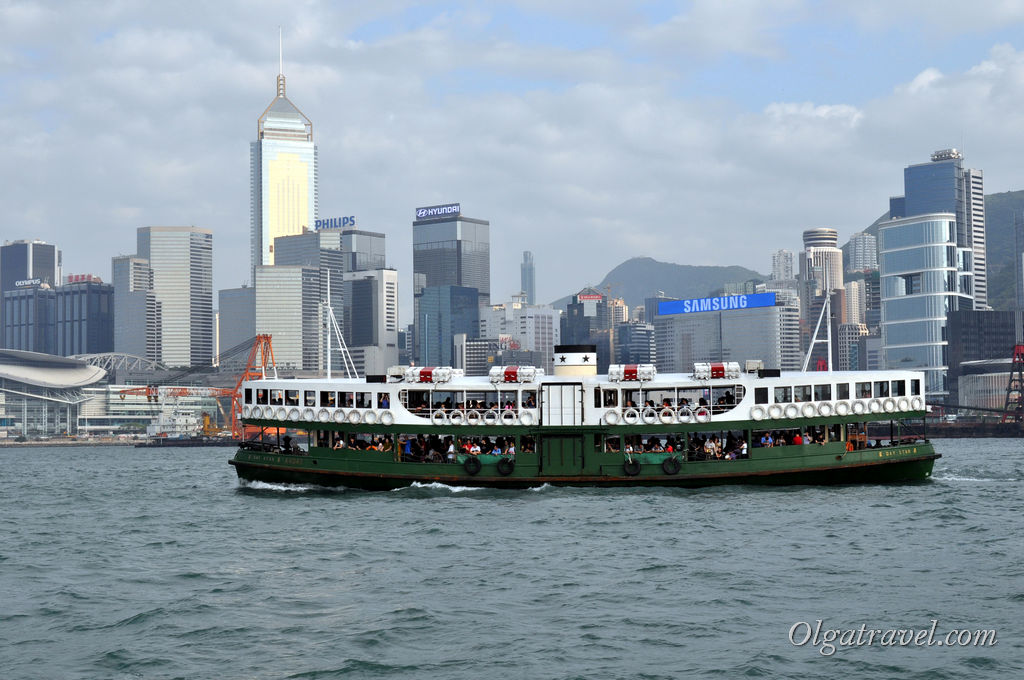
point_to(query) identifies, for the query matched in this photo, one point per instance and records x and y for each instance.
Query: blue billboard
(716, 304)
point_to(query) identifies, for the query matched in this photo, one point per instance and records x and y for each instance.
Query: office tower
(856, 303)
(925, 269)
(978, 335)
(237, 309)
(943, 185)
(287, 306)
(821, 260)
(863, 252)
(587, 321)
(181, 260)
(283, 176)
(364, 250)
(618, 311)
(635, 343)
(85, 316)
(528, 278)
(521, 327)
(651, 305)
(847, 345)
(30, 319)
(370, 320)
(782, 265)
(25, 264)
(137, 312)
(443, 313)
(452, 250)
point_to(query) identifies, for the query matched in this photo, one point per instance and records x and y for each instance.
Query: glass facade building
(443, 312)
(926, 271)
(453, 251)
(528, 278)
(283, 176)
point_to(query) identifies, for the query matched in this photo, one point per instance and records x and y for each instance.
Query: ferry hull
(891, 466)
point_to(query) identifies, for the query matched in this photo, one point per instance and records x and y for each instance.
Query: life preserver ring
(491, 417)
(526, 418)
(611, 417)
(370, 418)
(684, 415)
(875, 405)
(808, 410)
(842, 408)
(439, 418)
(308, 414)
(858, 407)
(293, 414)
(354, 417)
(281, 413)
(457, 418)
(508, 417)
(473, 418)
(671, 466)
(791, 411)
(903, 404)
(667, 416)
(702, 415)
(775, 411)
(917, 403)
(387, 418)
(889, 405)
(246, 411)
(630, 416)
(254, 412)
(339, 416)
(631, 467)
(825, 409)
(472, 465)
(324, 415)
(506, 466)
(757, 412)
(649, 415)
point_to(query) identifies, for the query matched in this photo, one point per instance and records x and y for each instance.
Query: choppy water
(125, 563)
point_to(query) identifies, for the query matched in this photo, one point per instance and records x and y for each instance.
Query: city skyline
(611, 133)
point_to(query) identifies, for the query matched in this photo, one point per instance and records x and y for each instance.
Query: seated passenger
(766, 440)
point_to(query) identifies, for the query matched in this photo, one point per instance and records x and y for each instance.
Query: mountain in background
(641, 277)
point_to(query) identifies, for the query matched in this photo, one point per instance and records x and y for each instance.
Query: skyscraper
(782, 265)
(283, 175)
(862, 252)
(137, 317)
(452, 250)
(528, 278)
(27, 264)
(181, 259)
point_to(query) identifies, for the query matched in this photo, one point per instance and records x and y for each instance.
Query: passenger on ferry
(766, 440)
(511, 449)
(531, 402)
(729, 398)
(384, 401)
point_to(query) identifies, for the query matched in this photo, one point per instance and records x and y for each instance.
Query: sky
(702, 132)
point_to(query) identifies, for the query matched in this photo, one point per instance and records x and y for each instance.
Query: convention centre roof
(47, 370)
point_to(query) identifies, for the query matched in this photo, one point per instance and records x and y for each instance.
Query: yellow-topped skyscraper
(283, 172)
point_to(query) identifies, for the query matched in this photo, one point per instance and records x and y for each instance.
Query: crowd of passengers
(478, 405)
(722, 403)
(696, 446)
(420, 448)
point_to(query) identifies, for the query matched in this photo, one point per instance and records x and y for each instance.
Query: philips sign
(438, 211)
(716, 304)
(336, 222)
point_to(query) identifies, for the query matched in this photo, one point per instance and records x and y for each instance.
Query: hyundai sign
(716, 304)
(336, 222)
(446, 210)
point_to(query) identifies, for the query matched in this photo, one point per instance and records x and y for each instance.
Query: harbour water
(134, 563)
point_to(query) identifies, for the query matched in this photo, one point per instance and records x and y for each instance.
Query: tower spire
(280, 64)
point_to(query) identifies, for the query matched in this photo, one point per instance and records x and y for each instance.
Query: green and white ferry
(518, 427)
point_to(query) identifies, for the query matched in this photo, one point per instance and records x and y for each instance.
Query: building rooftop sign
(716, 304)
(446, 210)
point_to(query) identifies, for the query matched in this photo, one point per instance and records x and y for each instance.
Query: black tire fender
(506, 466)
(472, 465)
(631, 468)
(671, 466)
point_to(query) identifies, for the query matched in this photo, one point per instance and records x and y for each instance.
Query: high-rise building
(975, 335)
(237, 310)
(452, 250)
(25, 264)
(371, 320)
(943, 185)
(283, 176)
(863, 252)
(181, 260)
(528, 278)
(520, 327)
(30, 319)
(85, 316)
(635, 343)
(856, 304)
(364, 250)
(782, 265)
(588, 321)
(137, 312)
(443, 313)
(287, 306)
(847, 345)
(822, 260)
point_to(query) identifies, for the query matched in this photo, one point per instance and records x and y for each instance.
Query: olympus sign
(438, 211)
(27, 282)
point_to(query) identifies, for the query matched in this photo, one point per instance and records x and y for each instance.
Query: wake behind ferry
(517, 427)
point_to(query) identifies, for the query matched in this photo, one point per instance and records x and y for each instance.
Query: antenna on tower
(280, 52)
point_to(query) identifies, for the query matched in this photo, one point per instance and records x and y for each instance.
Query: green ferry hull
(811, 464)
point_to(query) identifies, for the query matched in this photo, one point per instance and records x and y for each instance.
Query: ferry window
(477, 401)
(261, 397)
(760, 395)
(529, 399)
(383, 400)
(843, 391)
(363, 400)
(783, 395)
(507, 399)
(822, 393)
(630, 397)
(611, 398)
(882, 388)
(276, 397)
(309, 399)
(915, 387)
(802, 393)
(291, 397)
(418, 401)
(597, 397)
(899, 388)
(660, 398)
(327, 399)
(863, 390)
(248, 395)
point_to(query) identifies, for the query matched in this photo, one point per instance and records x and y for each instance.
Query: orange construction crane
(261, 356)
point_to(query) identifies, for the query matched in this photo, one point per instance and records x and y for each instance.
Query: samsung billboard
(716, 304)
(432, 211)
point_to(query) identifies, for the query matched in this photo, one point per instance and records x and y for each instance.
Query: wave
(287, 488)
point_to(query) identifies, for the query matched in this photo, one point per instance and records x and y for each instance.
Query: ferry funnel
(575, 360)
